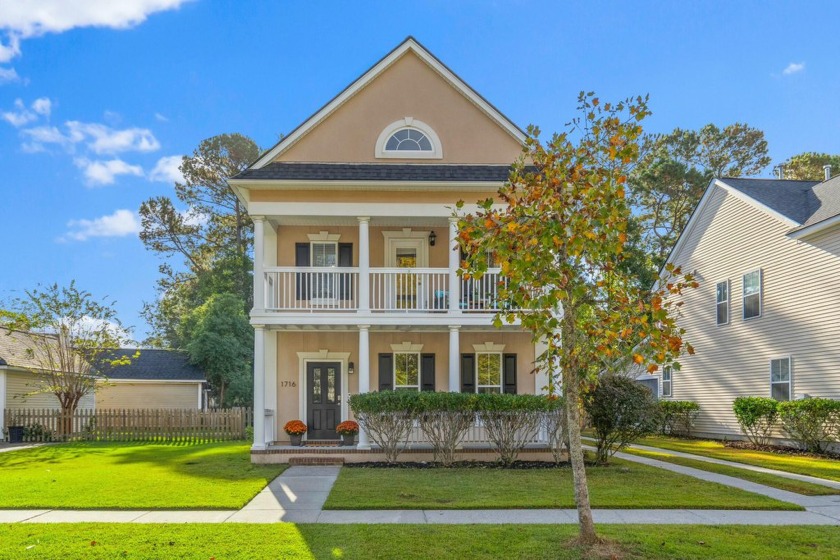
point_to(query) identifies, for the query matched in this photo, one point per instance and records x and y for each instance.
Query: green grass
(407, 542)
(620, 485)
(774, 481)
(132, 476)
(820, 467)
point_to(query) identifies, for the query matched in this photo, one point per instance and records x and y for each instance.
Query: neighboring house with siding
(154, 379)
(356, 284)
(766, 318)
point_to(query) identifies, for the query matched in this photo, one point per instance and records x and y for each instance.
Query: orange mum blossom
(295, 428)
(347, 428)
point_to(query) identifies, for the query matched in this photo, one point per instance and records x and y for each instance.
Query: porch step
(300, 461)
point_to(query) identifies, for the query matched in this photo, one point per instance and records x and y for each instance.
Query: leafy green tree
(674, 171)
(212, 236)
(221, 341)
(68, 334)
(560, 234)
(808, 166)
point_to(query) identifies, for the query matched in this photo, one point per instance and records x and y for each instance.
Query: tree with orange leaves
(558, 229)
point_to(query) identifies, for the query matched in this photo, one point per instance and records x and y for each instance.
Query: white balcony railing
(392, 290)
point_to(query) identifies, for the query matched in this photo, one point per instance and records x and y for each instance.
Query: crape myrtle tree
(558, 229)
(70, 339)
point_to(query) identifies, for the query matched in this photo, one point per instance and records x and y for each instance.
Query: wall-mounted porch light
(432, 238)
(350, 369)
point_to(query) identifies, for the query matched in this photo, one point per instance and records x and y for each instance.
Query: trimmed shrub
(812, 423)
(556, 427)
(511, 421)
(444, 419)
(387, 417)
(678, 417)
(621, 411)
(757, 417)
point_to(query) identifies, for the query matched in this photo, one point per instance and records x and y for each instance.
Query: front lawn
(408, 542)
(820, 467)
(623, 485)
(782, 483)
(132, 476)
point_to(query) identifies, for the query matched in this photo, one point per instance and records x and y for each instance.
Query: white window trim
(670, 382)
(408, 122)
(760, 294)
(790, 375)
(419, 373)
(728, 302)
(501, 385)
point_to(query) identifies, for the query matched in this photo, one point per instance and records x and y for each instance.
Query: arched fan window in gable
(408, 138)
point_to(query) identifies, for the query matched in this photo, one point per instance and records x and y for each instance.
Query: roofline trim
(410, 44)
(816, 228)
(111, 380)
(384, 185)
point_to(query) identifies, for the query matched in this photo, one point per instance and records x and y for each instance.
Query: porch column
(455, 359)
(259, 256)
(364, 375)
(454, 265)
(542, 376)
(270, 385)
(2, 404)
(259, 387)
(364, 265)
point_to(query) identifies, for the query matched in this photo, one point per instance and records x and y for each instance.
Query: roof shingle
(284, 171)
(153, 364)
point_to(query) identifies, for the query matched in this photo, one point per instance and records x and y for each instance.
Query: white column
(259, 256)
(541, 377)
(364, 265)
(259, 387)
(364, 375)
(270, 385)
(2, 403)
(454, 265)
(454, 359)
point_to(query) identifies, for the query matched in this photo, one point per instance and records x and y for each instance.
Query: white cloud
(161, 118)
(793, 68)
(21, 115)
(22, 19)
(193, 217)
(87, 324)
(8, 75)
(99, 172)
(106, 140)
(119, 224)
(166, 170)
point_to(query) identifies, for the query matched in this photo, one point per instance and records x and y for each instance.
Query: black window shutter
(427, 372)
(345, 259)
(468, 373)
(509, 373)
(386, 372)
(302, 259)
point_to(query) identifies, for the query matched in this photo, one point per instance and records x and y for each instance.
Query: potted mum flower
(295, 429)
(347, 430)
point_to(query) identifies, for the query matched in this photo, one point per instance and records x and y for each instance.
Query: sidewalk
(298, 496)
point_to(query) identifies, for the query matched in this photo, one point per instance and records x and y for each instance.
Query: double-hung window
(752, 294)
(489, 370)
(722, 305)
(324, 284)
(667, 372)
(406, 371)
(780, 379)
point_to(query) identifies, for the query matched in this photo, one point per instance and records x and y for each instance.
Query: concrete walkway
(299, 493)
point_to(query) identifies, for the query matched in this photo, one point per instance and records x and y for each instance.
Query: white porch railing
(298, 288)
(392, 290)
(476, 435)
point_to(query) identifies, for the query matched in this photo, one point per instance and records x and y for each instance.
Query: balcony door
(407, 290)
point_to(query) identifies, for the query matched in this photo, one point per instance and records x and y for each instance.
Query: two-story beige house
(355, 271)
(765, 320)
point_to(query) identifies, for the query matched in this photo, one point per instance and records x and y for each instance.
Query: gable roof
(153, 364)
(16, 349)
(284, 171)
(409, 45)
(795, 200)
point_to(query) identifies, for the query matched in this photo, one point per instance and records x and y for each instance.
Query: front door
(323, 404)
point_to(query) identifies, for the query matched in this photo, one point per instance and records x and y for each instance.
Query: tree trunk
(571, 392)
(222, 394)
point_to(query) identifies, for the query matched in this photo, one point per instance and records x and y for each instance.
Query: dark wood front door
(323, 399)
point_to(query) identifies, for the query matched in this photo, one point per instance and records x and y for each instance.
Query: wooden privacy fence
(153, 424)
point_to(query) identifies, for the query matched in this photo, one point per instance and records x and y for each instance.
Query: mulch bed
(518, 465)
(780, 449)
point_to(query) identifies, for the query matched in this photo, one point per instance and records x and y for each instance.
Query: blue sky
(97, 99)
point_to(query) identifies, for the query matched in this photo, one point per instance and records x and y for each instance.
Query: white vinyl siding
(780, 379)
(722, 303)
(123, 395)
(19, 387)
(752, 294)
(730, 237)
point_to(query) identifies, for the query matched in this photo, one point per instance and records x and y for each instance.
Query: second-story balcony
(389, 290)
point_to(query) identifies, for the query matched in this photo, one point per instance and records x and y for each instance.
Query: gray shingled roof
(828, 194)
(376, 172)
(796, 200)
(16, 349)
(154, 364)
